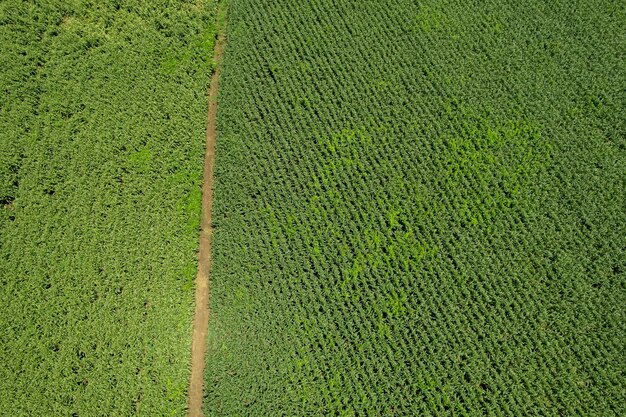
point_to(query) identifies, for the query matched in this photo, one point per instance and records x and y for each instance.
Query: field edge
(202, 281)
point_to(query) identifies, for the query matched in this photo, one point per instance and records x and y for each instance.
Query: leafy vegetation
(102, 126)
(420, 209)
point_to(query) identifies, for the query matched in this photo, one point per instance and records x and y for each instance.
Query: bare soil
(203, 291)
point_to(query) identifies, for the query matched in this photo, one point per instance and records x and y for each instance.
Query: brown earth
(201, 314)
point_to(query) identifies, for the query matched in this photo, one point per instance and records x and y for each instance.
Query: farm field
(420, 210)
(102, 131)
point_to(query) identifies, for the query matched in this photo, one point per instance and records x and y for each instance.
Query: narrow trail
(202, 294)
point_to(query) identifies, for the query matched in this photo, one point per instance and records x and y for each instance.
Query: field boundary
(202, 282)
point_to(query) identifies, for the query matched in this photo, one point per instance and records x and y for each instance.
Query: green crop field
(420, 209)
(102, 127)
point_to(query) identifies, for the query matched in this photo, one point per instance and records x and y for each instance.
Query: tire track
(203, 291)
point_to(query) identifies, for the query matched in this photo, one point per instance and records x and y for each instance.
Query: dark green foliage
(420, 209)
(102, 125)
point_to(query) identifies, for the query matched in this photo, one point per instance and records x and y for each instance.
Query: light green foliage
(420, 210)
(102, 129)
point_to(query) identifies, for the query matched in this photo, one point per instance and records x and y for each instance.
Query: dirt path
(201, 314)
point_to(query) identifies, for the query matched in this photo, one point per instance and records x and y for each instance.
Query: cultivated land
(420, 209)
(102, 132)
